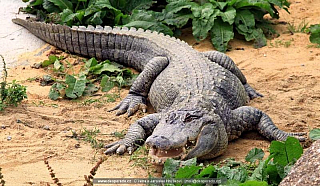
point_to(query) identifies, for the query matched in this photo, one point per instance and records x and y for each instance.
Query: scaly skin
(199, 97)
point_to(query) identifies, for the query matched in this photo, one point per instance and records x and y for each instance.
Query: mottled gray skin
(198, 97)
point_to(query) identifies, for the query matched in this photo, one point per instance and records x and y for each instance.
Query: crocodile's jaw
(160, 156)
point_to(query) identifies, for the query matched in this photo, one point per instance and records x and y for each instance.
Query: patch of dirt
(288, 76)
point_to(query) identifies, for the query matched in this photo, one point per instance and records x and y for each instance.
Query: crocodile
(199, 97)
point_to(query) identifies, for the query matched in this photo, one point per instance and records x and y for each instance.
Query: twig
(89, 178)
(52, 174)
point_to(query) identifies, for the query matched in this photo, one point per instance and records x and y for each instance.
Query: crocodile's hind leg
(249, 118)
(227, 63)
(136, 99)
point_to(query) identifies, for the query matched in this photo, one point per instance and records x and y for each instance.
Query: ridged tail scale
(117, 44)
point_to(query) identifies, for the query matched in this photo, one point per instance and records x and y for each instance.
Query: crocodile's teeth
(166, 152)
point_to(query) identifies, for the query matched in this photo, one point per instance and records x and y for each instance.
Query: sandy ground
(287, 75)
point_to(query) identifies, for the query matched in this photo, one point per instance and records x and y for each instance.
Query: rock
(306, 171)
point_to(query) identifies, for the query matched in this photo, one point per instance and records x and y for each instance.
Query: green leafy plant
(255, 171)
(107, 74)
(11, 93)
(314, 134)
(219, 19)
(315, 34)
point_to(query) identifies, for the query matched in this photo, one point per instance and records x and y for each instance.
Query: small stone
(19, 121)
(77, 145)
(9, 138)
(3, 127)
(264, 55)
(46, 127)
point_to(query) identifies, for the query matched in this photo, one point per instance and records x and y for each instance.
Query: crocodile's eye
(190, 117)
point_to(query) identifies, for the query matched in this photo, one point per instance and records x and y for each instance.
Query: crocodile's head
(191, 131)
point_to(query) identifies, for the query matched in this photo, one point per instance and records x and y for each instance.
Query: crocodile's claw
(131, 104)
(119, 147)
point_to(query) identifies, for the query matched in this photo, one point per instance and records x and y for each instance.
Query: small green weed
(10, 93)
(140, 158)
(90, 136)
(120, 134)
(107, 74)
(281, 43)
(300, 28)
(255, 171)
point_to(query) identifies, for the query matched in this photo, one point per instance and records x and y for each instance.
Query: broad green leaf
(315, 34)
(179, 19)
(239, 174)
(228, 15)
(286, 152)
(171, 166)
(76, 86)
(188, 171)
(205, 16)
(106, 83)
(96, 18)
(35, 3)
(57, 65)
(273, 174)
(244, 21)
(245, 25)
(314, 133)
(254, 183)
(90, 63)
(279, 150)
(264, 5)
(62, 4)
(208, 172)
(105, 67)
(176, 6)
(156, 26)
(221, 34)
(293, 149)
(129, 6)
(55, 91)
(50, 7)
(254, 154)
(51, 60)
(90, 89)
(258, 173)
(178, 13)
(67, 15)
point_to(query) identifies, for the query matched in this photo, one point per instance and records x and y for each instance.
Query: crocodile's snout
(158, 142)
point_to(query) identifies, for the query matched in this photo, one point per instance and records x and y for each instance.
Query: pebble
(46, 127)
(9, 138)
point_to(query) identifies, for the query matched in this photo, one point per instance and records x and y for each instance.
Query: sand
(286, 72)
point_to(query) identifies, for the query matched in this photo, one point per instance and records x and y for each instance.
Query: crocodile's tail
(127, 46)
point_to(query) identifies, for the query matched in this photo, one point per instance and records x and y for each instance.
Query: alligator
(199, 97)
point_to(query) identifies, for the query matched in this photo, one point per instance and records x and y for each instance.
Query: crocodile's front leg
(227, 63)
(139, 90)
(249, 118)
(137, 133)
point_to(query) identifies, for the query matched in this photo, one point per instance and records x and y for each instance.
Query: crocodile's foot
(252, 93)
(130, 105)
(119, 147)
